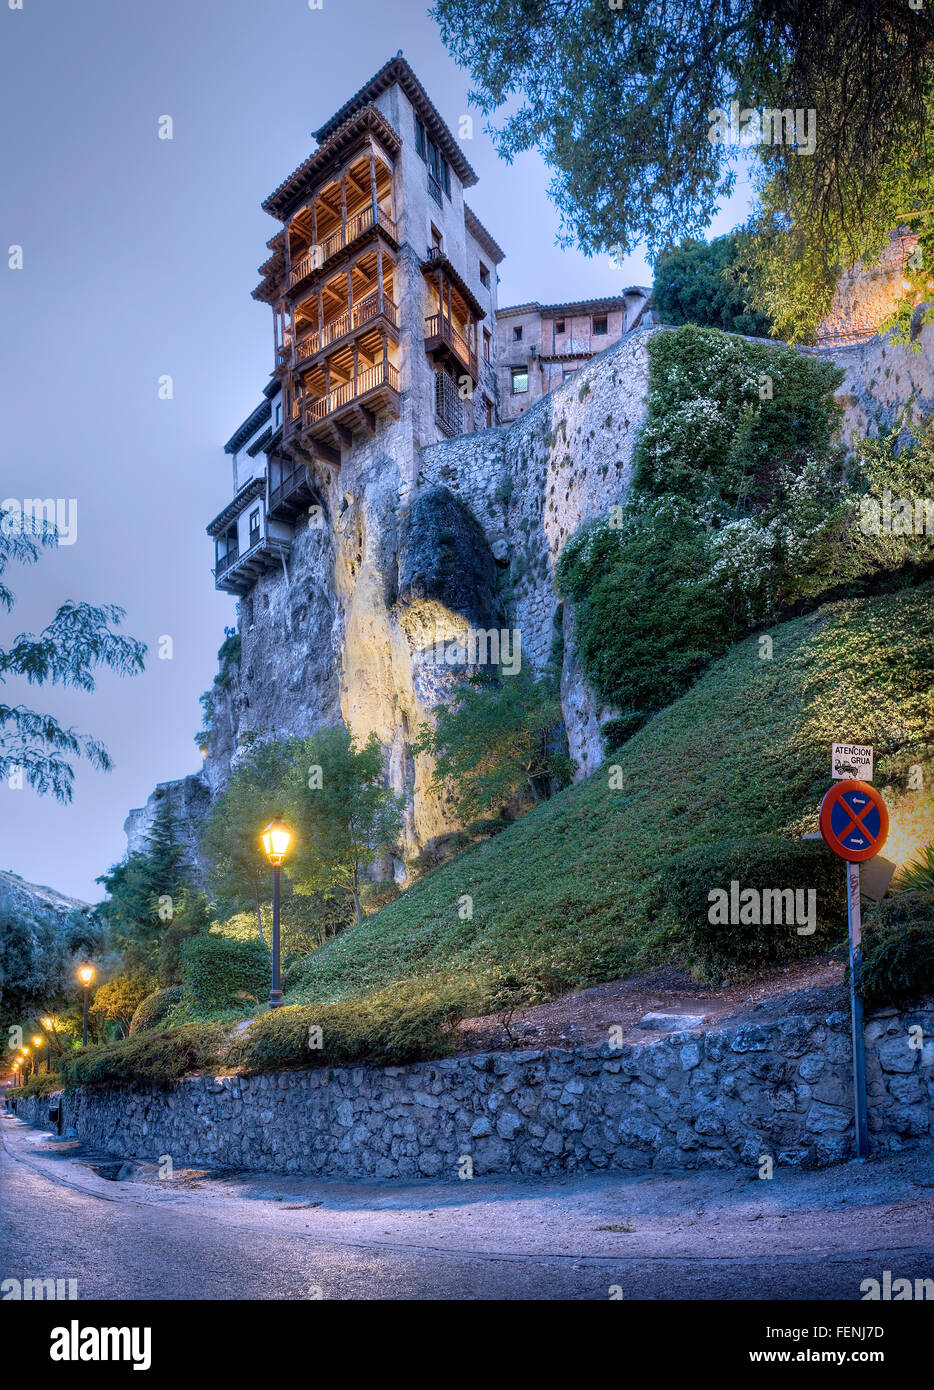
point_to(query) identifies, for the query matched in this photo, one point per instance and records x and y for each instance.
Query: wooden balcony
(317, 257)
(237, 571)
(353, 405)
(291, 493)
(441, 336)
(375, 311)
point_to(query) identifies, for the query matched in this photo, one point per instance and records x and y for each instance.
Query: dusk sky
(139, 258)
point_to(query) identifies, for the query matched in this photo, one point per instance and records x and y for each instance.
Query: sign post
(854, 822)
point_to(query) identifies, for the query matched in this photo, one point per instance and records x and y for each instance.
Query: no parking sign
(854, 822)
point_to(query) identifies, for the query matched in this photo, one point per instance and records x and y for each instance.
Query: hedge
(156, 1057)
(153, 1009)
(898, 949)
(218, 970)
(681, 898)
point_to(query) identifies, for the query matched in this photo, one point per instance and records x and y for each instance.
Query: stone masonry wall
(717, 1099)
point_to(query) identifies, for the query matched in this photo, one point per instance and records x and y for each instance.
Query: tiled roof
(398, 71)
(280, 201)
(480, 233)
(249, 427)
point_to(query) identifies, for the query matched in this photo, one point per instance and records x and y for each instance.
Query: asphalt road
(697, 1235)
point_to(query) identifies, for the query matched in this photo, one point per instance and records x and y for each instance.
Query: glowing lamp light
(48, 1023)
(37, 1042)
(276, 840)
(86, 975)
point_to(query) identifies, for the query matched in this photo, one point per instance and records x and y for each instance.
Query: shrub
(898, 949)
(153, 1009)
(406, 1022)
(375, 896)
(155, 1057)
(217, 970)
(42, 1085)
(681, 898)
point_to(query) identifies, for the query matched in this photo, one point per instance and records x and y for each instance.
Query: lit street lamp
(276, 838)
(86, 975)
(48, 1024)
(37, 1043)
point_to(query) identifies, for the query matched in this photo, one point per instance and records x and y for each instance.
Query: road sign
(854, 820)
(849, 760)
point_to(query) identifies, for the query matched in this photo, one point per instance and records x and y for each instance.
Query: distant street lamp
(85, 975)
(276, 839)
(37, 1043)
(48, 1024)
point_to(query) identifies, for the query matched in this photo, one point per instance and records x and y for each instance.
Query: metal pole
(275, 994)
(84, 1039)
(856, 1011)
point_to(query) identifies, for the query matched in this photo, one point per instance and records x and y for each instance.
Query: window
(447, 402)
(437, 240)
(599, 327)
(559, 325)
(254, 526)
(517, 335)
(420, 138)
(488, 407)
(439, 175)
(484, 275)
(520, 380)
(278, 414)
(568, 371)
(487, 345)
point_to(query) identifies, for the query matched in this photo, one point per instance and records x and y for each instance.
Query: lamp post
(85, 975)
(37, 1043)
(48, 1024)
(276, 838)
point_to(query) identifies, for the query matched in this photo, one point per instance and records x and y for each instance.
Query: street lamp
(37, 1043)
(276, 839)
(85, 975)
(48, 1024)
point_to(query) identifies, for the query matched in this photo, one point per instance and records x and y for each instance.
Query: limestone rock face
(416, 544)
(190, 798)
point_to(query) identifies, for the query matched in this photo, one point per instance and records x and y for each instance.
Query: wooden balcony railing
(225, 561)
(287, 485)
(383, 374)
(317, 256)
(368, 309)
(438, 326)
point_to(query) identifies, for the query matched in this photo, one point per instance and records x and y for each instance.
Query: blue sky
(139, 258)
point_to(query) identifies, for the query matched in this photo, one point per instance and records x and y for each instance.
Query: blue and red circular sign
(854, 820)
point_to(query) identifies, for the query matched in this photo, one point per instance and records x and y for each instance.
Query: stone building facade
(540, 345)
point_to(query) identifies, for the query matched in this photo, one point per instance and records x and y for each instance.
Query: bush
(154, 1007)
(155, 1057)
(375, 896)
(42, 1085)
(681, 897)
(409, 1021)
(898, 949)
(217, 970)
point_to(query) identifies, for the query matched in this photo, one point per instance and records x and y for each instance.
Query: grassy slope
(559, 897)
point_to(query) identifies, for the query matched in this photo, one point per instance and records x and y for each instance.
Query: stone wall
(693, 1099)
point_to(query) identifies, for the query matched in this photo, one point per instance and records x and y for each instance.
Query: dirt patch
(585, 1017)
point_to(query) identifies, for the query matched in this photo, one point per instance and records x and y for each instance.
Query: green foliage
(153, 905)
(704, 283)
(118, 998)
(710, 434)
(68, 651)
(501, 740)
(228, 658)
(218, 970)
(564, 898)
(680, 896)
(918, 875)
(619, 102)
(39, 953)
(153, 1057)
(42, 1085)
(345, 816)
(898, 949)
(153, 1009)
(405, 1022)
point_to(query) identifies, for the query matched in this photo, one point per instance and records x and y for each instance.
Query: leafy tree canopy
(79, 639)
(705, 283)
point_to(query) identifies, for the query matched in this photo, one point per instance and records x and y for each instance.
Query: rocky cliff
(395, 565)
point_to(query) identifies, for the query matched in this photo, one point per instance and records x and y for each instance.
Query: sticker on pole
(849, 760)
(854, 820)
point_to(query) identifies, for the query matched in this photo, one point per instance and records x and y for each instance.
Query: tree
(255, 792)
(617, 98)
(501, 738)
(345, 816)
(153, 903)
(39, 954)
(118, 998)
(79, 639)
(705, 283)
